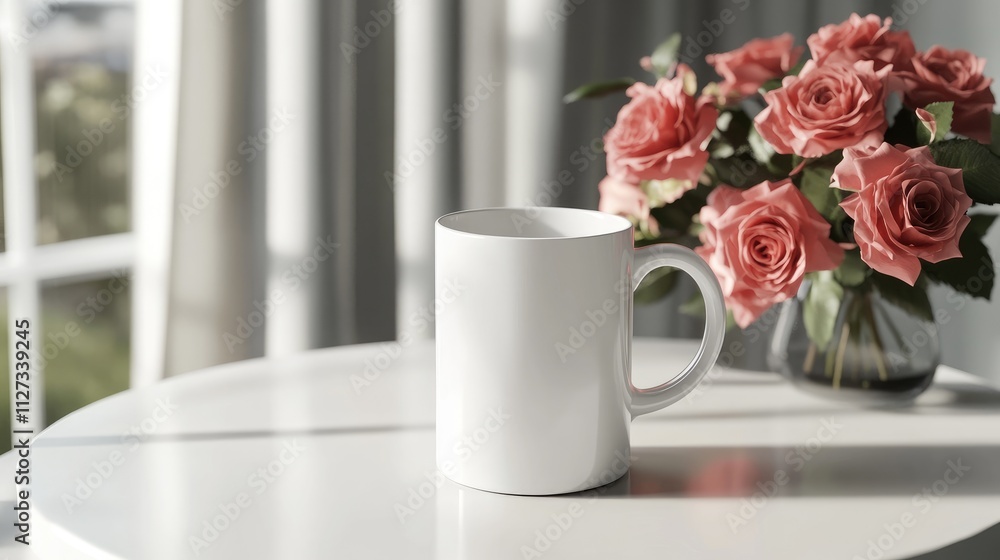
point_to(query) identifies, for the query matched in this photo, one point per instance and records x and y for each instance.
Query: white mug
(534, 387)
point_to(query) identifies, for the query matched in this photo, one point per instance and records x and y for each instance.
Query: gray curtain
(226, 263)
(217, 265)
(489, 75)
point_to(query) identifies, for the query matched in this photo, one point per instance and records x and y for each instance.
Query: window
(67, 242)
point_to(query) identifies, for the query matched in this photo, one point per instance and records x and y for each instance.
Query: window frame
(26, 266)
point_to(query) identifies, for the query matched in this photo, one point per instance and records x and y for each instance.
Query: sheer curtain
(282, 221)
(404, 111)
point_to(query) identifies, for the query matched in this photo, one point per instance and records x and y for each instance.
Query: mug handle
(654, 256)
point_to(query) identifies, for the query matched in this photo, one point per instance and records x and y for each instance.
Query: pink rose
(661, 133)
(745, 69)
(943, 75)
(907, 208)
(761, 242)
(624, 199)
(825, 108)
(862, 38)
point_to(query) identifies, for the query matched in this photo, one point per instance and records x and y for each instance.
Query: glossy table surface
(305, 457)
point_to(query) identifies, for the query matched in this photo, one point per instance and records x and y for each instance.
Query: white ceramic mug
(534, 342)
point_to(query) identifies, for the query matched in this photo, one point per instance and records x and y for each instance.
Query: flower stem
(862, 353)
(838, 368)
(807, 365)
(876, 343)
(883, 375)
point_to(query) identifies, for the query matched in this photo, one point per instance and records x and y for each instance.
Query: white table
(350, 470)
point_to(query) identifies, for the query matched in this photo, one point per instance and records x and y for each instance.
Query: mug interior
(535, 223)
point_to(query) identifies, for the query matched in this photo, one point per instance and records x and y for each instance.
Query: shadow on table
(245, 434)
(981, 546)
(692, 414)
(709, 472)
(7, 531)
(951, 398)
(942, 398)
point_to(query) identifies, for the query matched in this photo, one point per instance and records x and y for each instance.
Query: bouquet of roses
(854, 169)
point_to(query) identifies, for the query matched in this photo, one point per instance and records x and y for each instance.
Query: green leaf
(923, 134)
(659, 191)
(980, 167)
(775, 83)
(675, 218)
(597, 89)
(769, 86)
(904, 128)
(820, 308)
(733, 126)
(942, 113)
(777, 164)
(798, 161)
(693, 307)
(720, 150)
(970, 274)
(656, 286)
(740, 170)
(911, 299)
(995, 133)
(815, 185)
(664, 58)
(762, 151)
(853, 271)
(981, 223)
(643, 231)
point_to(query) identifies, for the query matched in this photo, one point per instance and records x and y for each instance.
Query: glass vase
(878, 351)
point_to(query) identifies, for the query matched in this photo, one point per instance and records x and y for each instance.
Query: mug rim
(623, 224)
